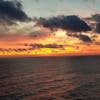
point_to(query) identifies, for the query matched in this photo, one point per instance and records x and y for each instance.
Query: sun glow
(60, 33)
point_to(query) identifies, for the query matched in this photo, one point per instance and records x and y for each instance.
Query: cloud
(12, 49)
(43, 32)
(35, 46)
(98, 28)
(94, 22)
(96, 17)
(53, 46)
(38, 34)
(73, 25)
(69, 23)
(11, 11)
(84, 38)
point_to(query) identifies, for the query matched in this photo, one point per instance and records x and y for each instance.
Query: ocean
(50, 78)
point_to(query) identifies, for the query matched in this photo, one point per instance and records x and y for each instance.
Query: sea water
(50, 78)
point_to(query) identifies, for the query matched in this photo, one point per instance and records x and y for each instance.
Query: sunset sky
(49, 27)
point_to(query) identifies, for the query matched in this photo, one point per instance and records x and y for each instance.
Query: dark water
(50, 78)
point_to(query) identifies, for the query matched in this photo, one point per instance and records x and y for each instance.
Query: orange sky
(71, 46)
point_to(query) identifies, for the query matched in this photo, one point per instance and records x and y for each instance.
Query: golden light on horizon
(65, 51)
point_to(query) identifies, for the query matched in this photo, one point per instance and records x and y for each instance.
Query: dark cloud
(11, 11)
(94, 22)
(84, 38)
(98, 28)
(12, 49)
(53, 46)
(35, 46)
(96, 17)
(71, 23)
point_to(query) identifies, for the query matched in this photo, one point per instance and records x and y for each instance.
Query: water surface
(50, 78)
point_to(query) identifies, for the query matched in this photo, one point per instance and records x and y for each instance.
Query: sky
(48, 8)
(49, 27)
